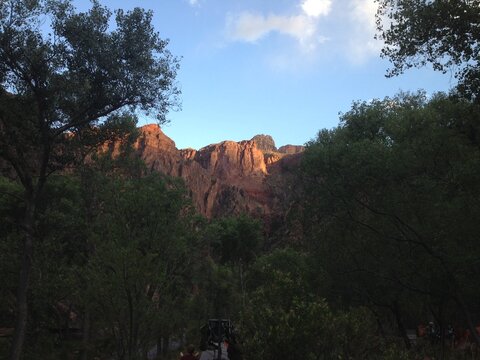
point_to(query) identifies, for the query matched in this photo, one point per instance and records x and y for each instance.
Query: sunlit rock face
(227, 178)
(158, 150)
(291, 149)
(271, 158)
(232, 160)
(188, 154)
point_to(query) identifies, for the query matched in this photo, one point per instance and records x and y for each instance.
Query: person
(191, 354)
(433, 332)
(234, 351)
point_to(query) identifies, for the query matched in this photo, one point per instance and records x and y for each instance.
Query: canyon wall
(227, 178)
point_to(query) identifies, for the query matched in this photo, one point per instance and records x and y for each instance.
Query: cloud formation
(316, 8)
(351, 27)
(361, 44)
(251, 27)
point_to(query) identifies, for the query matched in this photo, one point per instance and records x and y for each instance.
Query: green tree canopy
(445, 34)
(235, 239)
(285, 317)
(63, 72)
(393, 203)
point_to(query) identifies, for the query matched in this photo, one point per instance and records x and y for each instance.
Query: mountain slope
(227, 178)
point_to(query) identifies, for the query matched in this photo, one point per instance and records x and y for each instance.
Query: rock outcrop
(291, 149)
(226, 178)
(264, 143)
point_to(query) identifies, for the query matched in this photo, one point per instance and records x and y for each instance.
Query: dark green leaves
(85, 68)
(393, 194)
(444, 34)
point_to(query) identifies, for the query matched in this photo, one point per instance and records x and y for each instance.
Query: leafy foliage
(235, 239)
(140, 263)
(284, 316)
(442, 33)
(60, 85)
(394, 202)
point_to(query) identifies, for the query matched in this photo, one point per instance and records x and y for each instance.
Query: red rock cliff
(225, 178)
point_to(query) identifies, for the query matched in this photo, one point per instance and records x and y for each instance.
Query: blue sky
(280, 67)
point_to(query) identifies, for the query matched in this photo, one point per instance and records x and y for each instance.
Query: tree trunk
(159, 347)
(381, 330)
(130, 316)
(165, 345)
(85, 335)
(401, 327)
(24, 281)
(242, 286)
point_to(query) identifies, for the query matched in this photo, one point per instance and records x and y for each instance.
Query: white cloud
(193, 2)
(361, 44)
(316, 8)
(251, 27)
(346, 31)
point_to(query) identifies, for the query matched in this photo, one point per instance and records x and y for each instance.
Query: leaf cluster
(393, 205)
(444, 34)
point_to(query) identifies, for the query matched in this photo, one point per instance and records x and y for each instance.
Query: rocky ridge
(227, 178)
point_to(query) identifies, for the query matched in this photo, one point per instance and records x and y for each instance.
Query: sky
(285, 68)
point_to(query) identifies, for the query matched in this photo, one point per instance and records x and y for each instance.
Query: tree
(141, 262)
(10, 233)
(236, 242)
(235, 239)
(393, 204)
(119, 257)
(443, 33)
(65, 82)
(285, 316)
